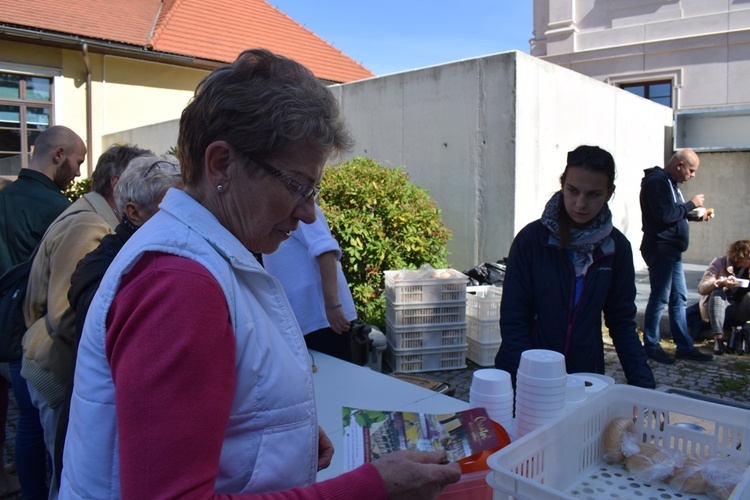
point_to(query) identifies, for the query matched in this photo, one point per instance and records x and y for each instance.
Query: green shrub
(78, 189)
(382, 221)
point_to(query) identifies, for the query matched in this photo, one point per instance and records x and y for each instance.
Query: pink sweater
(171, 348)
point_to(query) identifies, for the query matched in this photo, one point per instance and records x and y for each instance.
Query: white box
(483, 331)
(483, 302)
(425, 360)
(480, 353)
(425, 290)
(442, 336)
(441, 313)
(554, 461)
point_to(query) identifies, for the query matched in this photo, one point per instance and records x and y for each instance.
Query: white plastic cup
(501, 415)
(506, 407)
(550, 383)
(491, 382)
(540, 402)
(534, 419)
(501, 418)
(490, 398)
(575, 390)
(542, 363)
(522, 429)
(539, 406)
(540, 392)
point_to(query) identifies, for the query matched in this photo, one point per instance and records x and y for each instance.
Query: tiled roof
(216, 30)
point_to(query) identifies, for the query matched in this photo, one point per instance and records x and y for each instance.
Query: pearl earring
(219, 188)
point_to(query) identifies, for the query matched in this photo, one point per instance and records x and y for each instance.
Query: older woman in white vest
(193, 378)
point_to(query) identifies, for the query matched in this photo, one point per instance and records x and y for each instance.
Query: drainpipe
(89, 131)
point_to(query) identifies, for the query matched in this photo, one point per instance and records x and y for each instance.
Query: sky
(388, 36)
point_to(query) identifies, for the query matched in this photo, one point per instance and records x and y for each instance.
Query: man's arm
(658, 198)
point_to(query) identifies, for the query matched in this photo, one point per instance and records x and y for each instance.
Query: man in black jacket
(666, 235)
(27, 207)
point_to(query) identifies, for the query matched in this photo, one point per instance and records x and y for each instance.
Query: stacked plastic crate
(483, 320)
(425, 319)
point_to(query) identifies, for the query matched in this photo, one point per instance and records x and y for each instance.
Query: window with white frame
(26, 109)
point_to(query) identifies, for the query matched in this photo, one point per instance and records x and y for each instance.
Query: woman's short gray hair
(261, 104)
(144, 181)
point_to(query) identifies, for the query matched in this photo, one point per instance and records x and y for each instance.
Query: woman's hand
(416, 474)
(325, 449)
(337, 319)
(726, 282)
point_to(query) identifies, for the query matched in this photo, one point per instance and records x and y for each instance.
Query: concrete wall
(723, 179)
(488, 138)
(159, 137)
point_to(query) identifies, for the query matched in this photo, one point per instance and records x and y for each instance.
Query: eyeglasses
(158, 164)
(301, 192)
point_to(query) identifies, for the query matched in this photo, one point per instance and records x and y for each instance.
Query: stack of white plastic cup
(492, 389)
(541, 389)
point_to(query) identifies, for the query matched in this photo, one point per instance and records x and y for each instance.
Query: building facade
(690, 55)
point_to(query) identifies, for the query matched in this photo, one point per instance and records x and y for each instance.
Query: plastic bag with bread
(689, 477)
(652, 463)
(613, 438)
(722, 475)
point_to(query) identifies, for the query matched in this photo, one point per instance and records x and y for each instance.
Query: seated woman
(724, 303)
(565, 270)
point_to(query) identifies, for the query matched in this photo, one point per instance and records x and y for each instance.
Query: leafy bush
(382, 221)
(78, 189)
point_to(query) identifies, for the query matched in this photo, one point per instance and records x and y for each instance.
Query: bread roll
(720, 492)
(613, 439)
(649, 455)
(688, 477)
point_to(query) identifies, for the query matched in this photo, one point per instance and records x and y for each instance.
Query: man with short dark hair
(666, 235)
(27, 208)
(34, 200)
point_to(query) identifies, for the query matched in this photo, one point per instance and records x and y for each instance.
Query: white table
(338, 384)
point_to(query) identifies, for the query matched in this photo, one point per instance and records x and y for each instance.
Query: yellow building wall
(125, 93)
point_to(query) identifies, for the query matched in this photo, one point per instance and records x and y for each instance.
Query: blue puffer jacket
(537, 309)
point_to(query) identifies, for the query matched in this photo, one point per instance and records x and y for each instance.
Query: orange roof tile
(216, 30)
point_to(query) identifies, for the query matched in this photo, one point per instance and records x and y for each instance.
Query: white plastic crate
(483, 331)
(425, 290)
(425, 360)
(483, 302)
(480, 353)
(447, 313)
(407, 337)
(563, 460)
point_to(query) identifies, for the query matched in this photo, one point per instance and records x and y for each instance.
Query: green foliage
(78, 189)
(382, 221)
(364, 418)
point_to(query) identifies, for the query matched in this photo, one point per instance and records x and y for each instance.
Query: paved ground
(726, 377)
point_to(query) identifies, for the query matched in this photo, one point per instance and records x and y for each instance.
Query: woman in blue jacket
(566, 269)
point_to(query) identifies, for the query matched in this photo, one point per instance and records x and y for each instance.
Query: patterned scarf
(583, 241)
